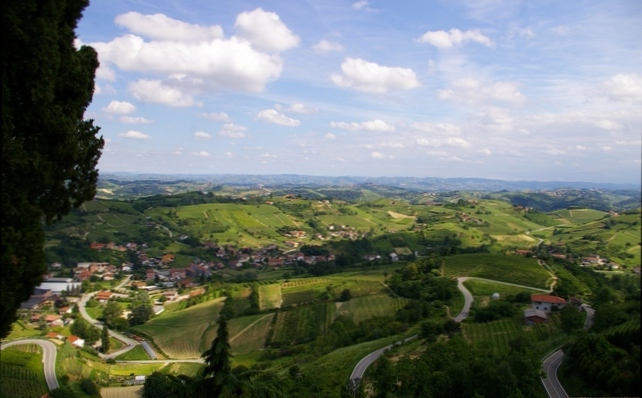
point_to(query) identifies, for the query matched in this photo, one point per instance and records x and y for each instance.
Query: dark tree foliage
(49, 153)
(218, 364)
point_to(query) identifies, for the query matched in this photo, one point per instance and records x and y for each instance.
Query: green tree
(140, 314)
(111, 311)
(571, 319)
(218, 364)
(346, 295)
(104, 339)
(49, 153)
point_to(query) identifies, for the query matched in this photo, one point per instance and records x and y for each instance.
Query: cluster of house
(42, 298)
(544, 304)
(86, 270)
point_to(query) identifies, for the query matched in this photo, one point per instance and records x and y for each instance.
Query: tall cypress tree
(104, 339)
(49, 152)
(218, 366)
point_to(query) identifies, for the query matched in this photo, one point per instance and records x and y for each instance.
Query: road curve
(48, 358)
(128, 342)
(366, 361)
(551, 383)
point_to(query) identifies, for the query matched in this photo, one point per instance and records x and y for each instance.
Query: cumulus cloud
(135, 135)
(608, 124)
(220, 116)
(296, 108)
(371, 125)
(119, 107)
(157, 92)
(233, 131)
(471, 91)
(428, 127)
(454, 38)
(162, 27)
(325, 46)
(359, 4)
(373, 78)
(232, 64)
(201, 135)
(265, 31)
(202, 154)
(272, 116)
(135, 120)
(623, 87)
(330, 136)
(104, 72)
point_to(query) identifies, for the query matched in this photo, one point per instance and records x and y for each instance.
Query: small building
(76, 341)
(103, 296)
(547, 303)
(534, 317)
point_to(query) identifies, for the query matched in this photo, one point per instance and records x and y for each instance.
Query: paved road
(129, 343)
(551, 383)
(48, 358)
(366, 361)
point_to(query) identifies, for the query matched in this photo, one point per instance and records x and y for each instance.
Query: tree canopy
(49, 152)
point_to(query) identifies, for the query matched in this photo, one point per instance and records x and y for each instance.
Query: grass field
(252, 338)
(302, 324)
(170, 333)
(579, 216)
(270, 296)
(21, 372)
(122, 392)
(512, 269)
(362, 308)
(486, 288)
(135, 354)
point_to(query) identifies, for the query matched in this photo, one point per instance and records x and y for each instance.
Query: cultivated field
(252, 338)
(361, 308)
(21, 372)
(512, 269)
(180, 334)
(270, 296)
(303, 324)
(122, 392)
(497, 334)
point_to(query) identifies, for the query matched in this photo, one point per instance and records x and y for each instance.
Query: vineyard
(302, 324)
(21, 372)
(269, 296)
(253, 337)
(361, 308)
(176, 340)
(497, 334)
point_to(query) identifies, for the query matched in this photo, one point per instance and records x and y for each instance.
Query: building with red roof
(547, 303)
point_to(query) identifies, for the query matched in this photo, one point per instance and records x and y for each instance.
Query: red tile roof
(544, 298)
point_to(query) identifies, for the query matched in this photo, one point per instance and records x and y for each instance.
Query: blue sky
(513, 90)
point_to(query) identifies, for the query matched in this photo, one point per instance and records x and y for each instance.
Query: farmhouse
(76, 341)
(103, 296)
(547, 303)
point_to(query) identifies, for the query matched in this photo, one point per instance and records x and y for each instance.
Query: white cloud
(296, 108)
(157, 92)
(330, 136)
(379, 155)
(233, 131)
(359, 4)
(162, 27)
(608, 124)
(202, 154)
(471, 91)
(555, 151)
(269, 156)
(135, 135)
(135, 120)
(371, 125)
(450, 141)
(485, 151)
(119, 107)
(429, 127)
(231, 64)
(454, 38)
(265, 31)
(607, 148)
(373, 78)
(272, 116)
(222, 116)
(104, 72)
(325, 46)
(624, 87)
(201, 135)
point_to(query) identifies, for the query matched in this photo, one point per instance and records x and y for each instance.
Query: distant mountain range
(432, 184)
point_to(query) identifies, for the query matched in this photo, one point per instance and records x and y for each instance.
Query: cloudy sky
(507, 89)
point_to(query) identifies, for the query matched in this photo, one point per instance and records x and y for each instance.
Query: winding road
(48, 358)
(550, 363)
(128, 342)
